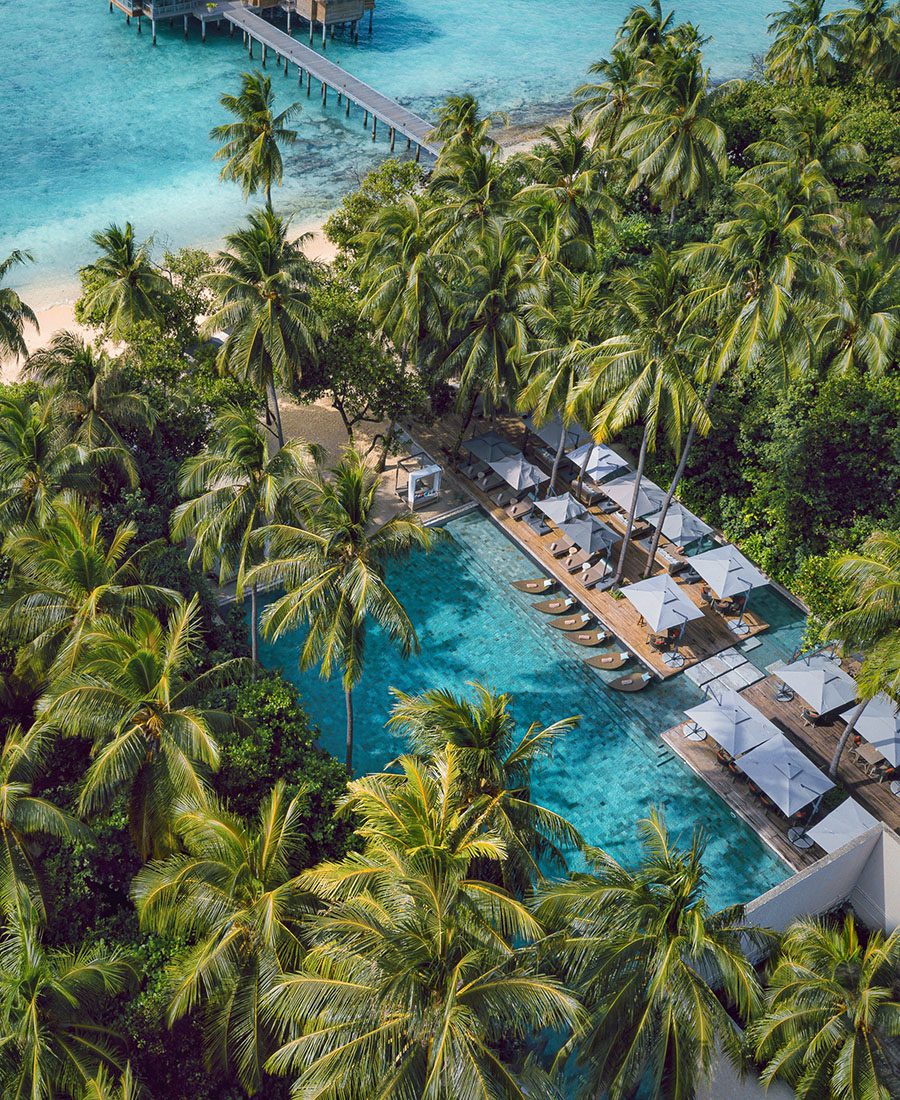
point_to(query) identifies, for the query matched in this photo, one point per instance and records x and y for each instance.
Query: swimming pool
(603, 776)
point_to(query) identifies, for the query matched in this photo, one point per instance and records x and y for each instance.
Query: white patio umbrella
(621, 490)
(490, 447)
(784, 774)
(733, 723)
(819, 682)
(680, 526)
(588, 533)
(596, 460)
(842, 825)
(879, 724)
(550, 432)
(518, 472)
(561, 508)
(729, 573)
(663, 606)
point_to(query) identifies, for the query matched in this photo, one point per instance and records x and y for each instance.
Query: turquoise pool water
(603, 776)
(96, 125)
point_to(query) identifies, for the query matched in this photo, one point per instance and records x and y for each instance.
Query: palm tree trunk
(254, 629)
(557, 459)
(386, 446)
(466, 419)
(629, 526)
(845, 737)
(268, 192)
(278, 428)
(348, 699)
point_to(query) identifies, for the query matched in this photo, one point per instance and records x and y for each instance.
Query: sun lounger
(577, 560)
(588, 637)
(572, 622)
(631, 683)
(594, 574)
(538, 585)
(489, 481)
(559, 547)
(556, 606)
(609, 660)
(520, 509)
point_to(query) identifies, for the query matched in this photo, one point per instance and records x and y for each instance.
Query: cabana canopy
(661, 603)
(549, 433)
(601, 460)
(518, 472)
(589, 534)
(621, 490)
(680, 526)
(732, 722)
(560, 509)
(489, 447)
(727, 571)
(842, 825)
(784, 774)
(879, 724)
(820, 682)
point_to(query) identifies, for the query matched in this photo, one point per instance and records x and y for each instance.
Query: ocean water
(96, 125)
(604, 775)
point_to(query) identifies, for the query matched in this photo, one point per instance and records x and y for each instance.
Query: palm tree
(645, 372)
(872, 622)
(51, 1007)
(105, 1087)
(232, 488)
(832, 1013)
(122, 287)
(262, 285)
(469, 193)
(644, 29)
(65, 575)
(420, 980)
(804, 42)
(231, 895)
(24, 817)
(333, 570)
(496, 766)
(609, 101)
(14, 313)
(251, 143)
(650, 960)
(133, 694)
(813, 138)
(869, 36)
(460, 122)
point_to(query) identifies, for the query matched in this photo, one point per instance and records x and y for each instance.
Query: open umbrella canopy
(842, 825)
(588, 533)
(727, 571)
(560, 509)
(680, 526)
(518, 472)
(550, 432)
(820, 682)
(601, 460)
(661, 603)
(784, 774)
(621, 490)
(732, 722)
(490, 447)
(879, 724)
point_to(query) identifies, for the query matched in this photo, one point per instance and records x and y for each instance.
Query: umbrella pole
(740, 627)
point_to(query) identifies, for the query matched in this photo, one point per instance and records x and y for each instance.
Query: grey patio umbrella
(879, 724)
(489, 447)
(820, 682)
(680, 526)
(842, 825)
(784, 774)
(560, 509)
(621, 490)
(518, 472)
(732, 722)
(601, 460)
(589, 534)
(549, 433)
(661, 603)
(727, 571)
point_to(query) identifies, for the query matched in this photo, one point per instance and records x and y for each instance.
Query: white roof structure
(820, 682)
(844, 824)
(549, 433)
(621, 490)
(733, 723)
(784, 774)
(727, 571)
(489, 447)
(601, 460)
(680, 526)
(879, 724)
(588, 533)
(518, 472)
(561, 508)
(661, 603)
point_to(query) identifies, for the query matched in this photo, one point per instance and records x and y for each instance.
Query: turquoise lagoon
(605, 774)
(96, 125)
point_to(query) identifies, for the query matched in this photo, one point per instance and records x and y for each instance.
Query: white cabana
(596, 460)
(842, 825)
(879, 724)
(820, 682)
(560, 509)
(680, 526)
(589, 534)
(727, 571)
(661, 603)
(621, 490)
(733, 723)
(489, 447)
(784, 774)
(549, 433)
(518, 472)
